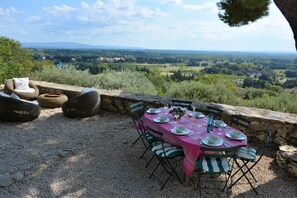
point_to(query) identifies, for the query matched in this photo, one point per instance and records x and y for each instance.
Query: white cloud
(114, 10)
(57, 10)
(7, 11)
(206, 6)
(33, 19)
(171, 1)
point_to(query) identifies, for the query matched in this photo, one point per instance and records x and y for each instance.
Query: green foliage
(252, 93)
(123, 80)
(290, 83)
(241, 70)
(218, 93)
(127, 81)
(67, 75)
(15, 61)
(160, 82)
(284, 102)
(9, 70)
(221, 92)
(242, 12)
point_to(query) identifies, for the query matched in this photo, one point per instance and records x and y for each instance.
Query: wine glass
(193, 108)
(176, 116)
(165, 105)
(220, 129)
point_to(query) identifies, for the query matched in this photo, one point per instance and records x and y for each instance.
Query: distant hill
(69, 45)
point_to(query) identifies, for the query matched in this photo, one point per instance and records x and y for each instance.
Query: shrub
(127, 81)
(218, 93)
(124, 80)
(252, 93)
(284, 102)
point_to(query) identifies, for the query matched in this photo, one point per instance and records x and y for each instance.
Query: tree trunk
(289, 10)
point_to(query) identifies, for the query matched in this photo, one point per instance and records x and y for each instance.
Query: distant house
(110, 60)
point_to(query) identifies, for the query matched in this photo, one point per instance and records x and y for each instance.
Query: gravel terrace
(54, 156)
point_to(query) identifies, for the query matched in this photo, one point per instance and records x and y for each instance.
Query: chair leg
(244, 173)
(148, 163)
(144, 152)
(136, 140)
(155, 169)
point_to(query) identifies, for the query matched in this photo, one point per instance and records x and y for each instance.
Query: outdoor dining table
(192, 142)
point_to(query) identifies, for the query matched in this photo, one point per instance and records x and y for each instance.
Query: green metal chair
(240, 122)
(165, 153)
(248, 156)
(137, 110)
(215, 161)
(217, 113)
(181, 103)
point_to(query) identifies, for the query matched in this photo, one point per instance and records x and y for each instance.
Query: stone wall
(283, 125)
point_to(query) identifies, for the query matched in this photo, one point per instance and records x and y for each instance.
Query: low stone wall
(283, 125)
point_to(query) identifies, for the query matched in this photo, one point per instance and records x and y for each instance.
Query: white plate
(216, 125)
(158, 120)
(153, 112)
(185, 132)
(218, 143)
(240, 137)
(197, 115)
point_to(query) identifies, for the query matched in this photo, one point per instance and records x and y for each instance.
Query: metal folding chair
(248, 156)
(165, 153)
(242, 123)
(181, 103)
(215, 111)
(137, 110)
(214, 161)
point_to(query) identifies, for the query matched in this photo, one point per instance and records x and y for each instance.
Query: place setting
(180, 130)
(196, 114)
(161, 119)
(212, 140)
(153, 111)
(219, 124)
(236, 135)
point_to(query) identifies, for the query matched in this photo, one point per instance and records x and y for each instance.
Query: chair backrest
(140, 126)
(262, 148)
(215, 111)
(136, 110)
(181, 103)
(218, 152)
(154, 133)
(241, 122)
(213, 153)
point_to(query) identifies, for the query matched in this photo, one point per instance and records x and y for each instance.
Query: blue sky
(154, 24)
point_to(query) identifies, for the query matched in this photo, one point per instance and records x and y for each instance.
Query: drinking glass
(165, 105)
(193, 108)
(176, 116)
(220, 130)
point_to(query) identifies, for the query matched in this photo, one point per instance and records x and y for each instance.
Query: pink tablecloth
(190, 143)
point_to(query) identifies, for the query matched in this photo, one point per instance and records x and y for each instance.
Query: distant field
(167, 68)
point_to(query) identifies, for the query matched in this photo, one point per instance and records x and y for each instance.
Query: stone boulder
(287, 158)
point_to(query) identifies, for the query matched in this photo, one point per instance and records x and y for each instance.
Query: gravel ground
(54, 156)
